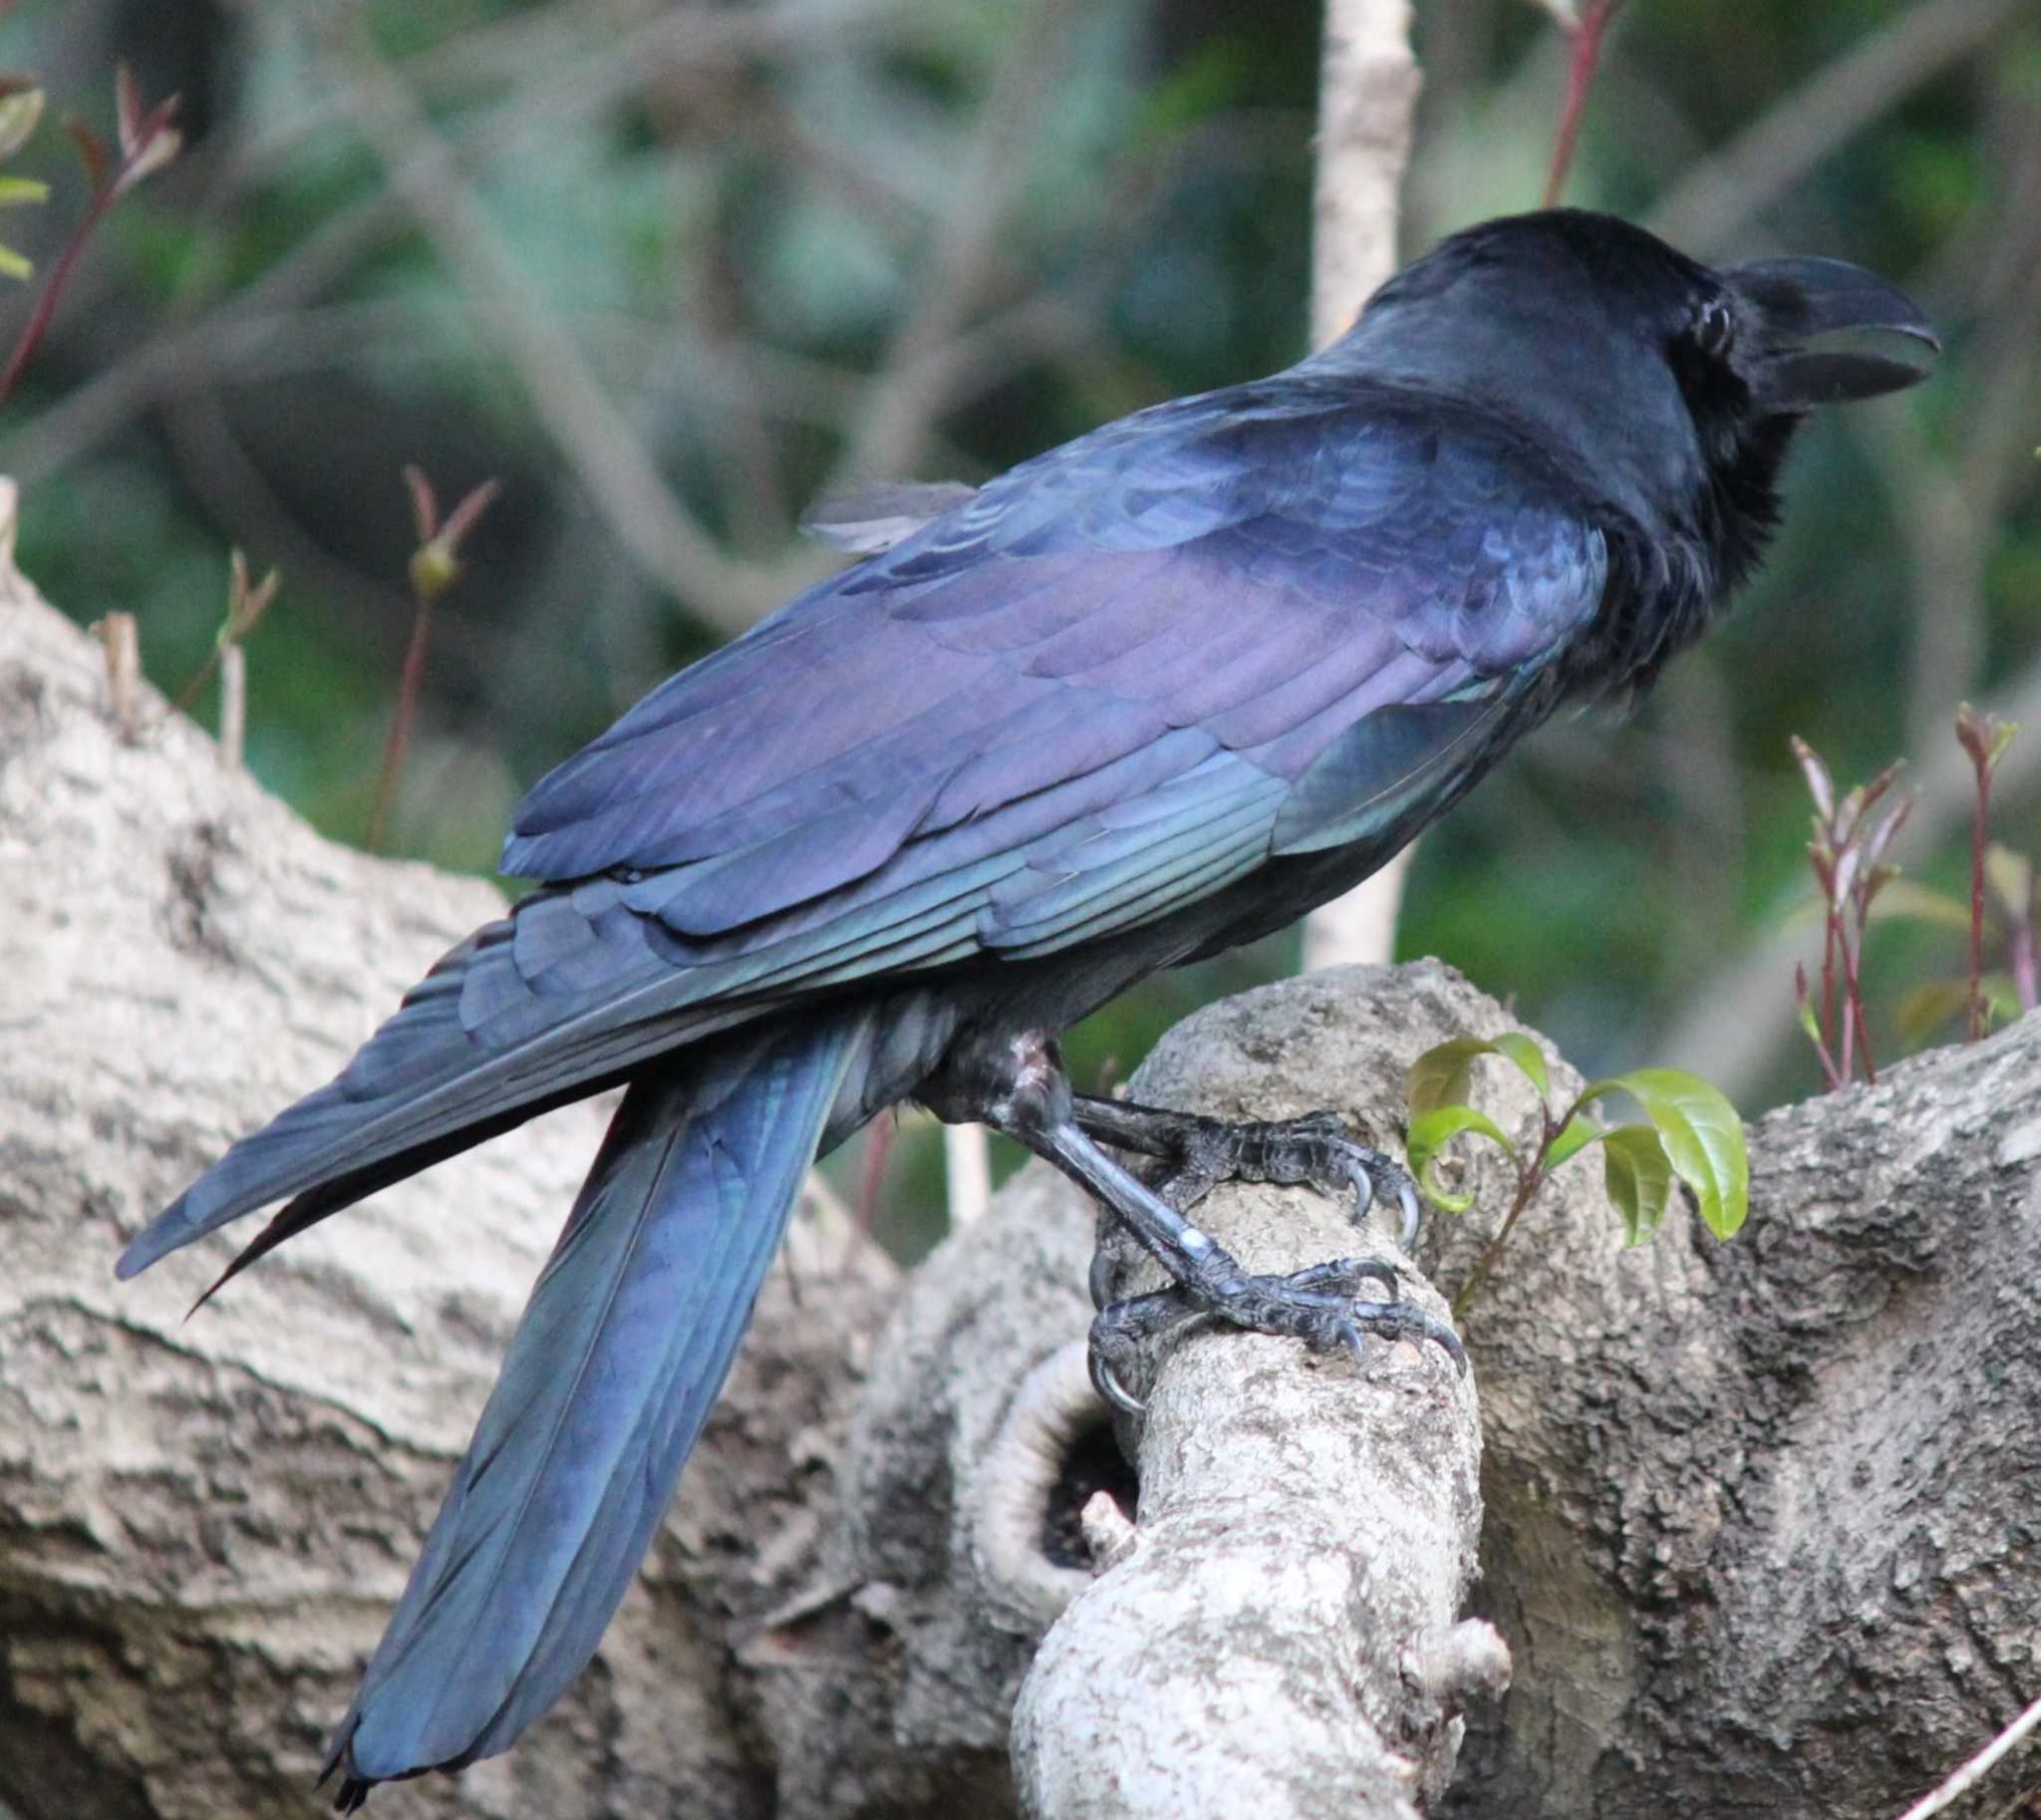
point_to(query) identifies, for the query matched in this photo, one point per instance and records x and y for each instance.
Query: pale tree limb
(1978, 1767)
(553, 100)
(909, 388)
(597, 440)
(202, 1523)
(1367, 92)
(1766, 160)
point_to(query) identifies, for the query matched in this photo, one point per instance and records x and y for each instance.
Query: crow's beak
(1803, 298)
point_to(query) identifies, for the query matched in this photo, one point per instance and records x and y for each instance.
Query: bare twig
(1586, 32)
(599, 441)
(433, 568)
(1767, 160)
(117, 632)
(965, 252)
(233, 705)
(968, 1169)
(1984, 739)
(1974, 1772)
(148, 140)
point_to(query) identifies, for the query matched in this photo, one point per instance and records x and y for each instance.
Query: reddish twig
(1587, 34)
(148, 140)
(248, 601)
(1848, 854)
(1984, 736)
(433, 568)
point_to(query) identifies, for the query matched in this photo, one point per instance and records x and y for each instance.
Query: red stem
(400, 725)
(46, 303)
(879, 1135)
(1579, 78)
(1976, 1020)
(1828, 1017)
(1856, 991)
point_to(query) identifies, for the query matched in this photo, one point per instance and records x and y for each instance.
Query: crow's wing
(1262, 566)
(1119, 679)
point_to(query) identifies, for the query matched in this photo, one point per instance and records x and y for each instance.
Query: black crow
(1147, 695)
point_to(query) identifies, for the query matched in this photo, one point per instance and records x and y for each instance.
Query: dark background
(668, 271)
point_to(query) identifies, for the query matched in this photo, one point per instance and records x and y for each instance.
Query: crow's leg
(1016, 1084)
(1318, 1150)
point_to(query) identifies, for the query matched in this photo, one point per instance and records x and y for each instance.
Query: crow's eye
(1715, 328)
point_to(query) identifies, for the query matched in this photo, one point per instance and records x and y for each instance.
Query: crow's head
(1674, 386)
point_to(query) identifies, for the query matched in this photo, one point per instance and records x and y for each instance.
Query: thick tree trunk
(1759, 1517)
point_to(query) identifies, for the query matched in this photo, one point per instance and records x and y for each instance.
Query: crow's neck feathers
(1579, 331)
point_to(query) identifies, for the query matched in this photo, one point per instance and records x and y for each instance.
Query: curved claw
(1363, 1190)
(1100, 1279)
(1399, 1321)
(1108, 1386)
(1413, 1210)
(1343, 1272)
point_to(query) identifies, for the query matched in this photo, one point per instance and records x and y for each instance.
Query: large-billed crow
(1149, 694)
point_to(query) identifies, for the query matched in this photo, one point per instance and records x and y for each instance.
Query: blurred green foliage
(762, 228)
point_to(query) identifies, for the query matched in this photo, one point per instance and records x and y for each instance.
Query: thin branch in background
(248, 601)
(964, 250)
(597, 440)
(968, 1169)
(1972, 1772)
(879, 1138)
(123, 642)
(1984, 737)
(1848, 853)
(1586, 30)
(2012, 882)
(147, 141)
(1769, 158)
(434, 567)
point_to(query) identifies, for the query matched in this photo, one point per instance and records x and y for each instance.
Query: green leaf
(16, 191)
(1528, 1056)
(1441, 1077)
(1703, 1139)
(2012, 877)
(13, 265)
(1923, 1010)
(1905, 897)
(19, 111)
(1807, 1022)
(1640, 1178)
(1578, 1134)
(1434, 1128)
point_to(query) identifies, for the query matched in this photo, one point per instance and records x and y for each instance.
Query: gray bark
(1758, 1523)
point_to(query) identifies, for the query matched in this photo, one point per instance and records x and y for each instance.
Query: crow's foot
(1321, 1305)
(1015, 1082)
(1320, 1150)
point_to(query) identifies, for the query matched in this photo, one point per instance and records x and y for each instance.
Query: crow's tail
(611, 1372)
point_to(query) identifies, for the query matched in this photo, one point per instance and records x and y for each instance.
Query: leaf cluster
(1689, 1133)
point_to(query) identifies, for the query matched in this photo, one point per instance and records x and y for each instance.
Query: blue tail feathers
(609, 1378)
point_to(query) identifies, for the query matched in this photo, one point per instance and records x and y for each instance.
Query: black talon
(1320, 1150)
(1016, 1083)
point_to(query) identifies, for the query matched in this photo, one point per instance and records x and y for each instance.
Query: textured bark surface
(1306, 1533)
(1759, 1525)
(1764, 1519)
(203, 1522)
